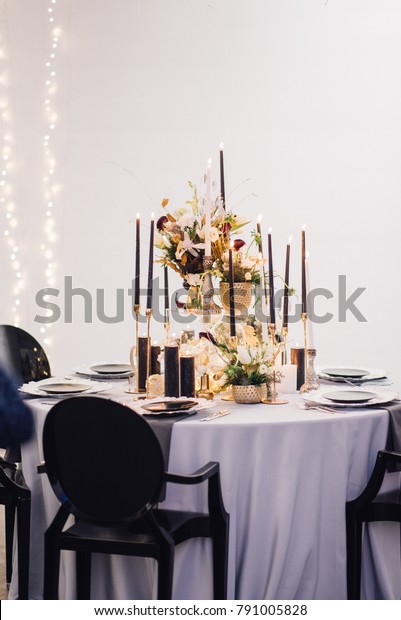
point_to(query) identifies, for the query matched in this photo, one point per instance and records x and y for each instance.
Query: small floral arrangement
(181, 236)
(247, 364)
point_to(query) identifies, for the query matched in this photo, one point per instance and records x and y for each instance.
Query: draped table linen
(286, 474)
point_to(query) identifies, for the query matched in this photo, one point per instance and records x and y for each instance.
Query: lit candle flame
(270, 231)
(307, 255)
(152, 216)
(221, 146)
(231, 245)
(304, 227)
(209, 162)
(259, 218)
(289, 240)
(138, 216)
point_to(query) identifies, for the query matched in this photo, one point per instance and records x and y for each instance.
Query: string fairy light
(8, 206)
(51, 187)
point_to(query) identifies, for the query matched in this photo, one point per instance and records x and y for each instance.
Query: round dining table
(286, 474)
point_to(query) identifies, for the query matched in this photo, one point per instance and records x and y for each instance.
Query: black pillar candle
(142, 369)
(298, 358)
(171, 370)
(187, 374)
(154, 362)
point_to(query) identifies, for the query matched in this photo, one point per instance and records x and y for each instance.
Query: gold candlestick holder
(274, 400)
(304, 318)
(167, 323)
(272, 333)
(135, 366)
(148, 317)
(228, 394)
(284, 334)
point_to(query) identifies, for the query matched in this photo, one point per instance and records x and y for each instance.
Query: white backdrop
(305, 94)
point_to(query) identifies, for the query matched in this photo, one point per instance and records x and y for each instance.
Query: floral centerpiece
(181, 240)
(248, 367)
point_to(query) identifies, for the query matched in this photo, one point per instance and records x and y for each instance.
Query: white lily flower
(243, 355)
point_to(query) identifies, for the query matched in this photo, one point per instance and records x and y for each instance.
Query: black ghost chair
(369, 507)
(115, 508)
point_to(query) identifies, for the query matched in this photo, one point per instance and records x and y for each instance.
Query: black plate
(64, 388)
(168, 406)
(111, 369)
(346, 373)
(349, 396)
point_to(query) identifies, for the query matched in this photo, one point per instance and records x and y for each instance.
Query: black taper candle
(166, 292)
(137, 261)
(222, 186)
(154, 361)
(142, 369)
(233, 332)
(187, 374)
(171, 370)
(271, 280)
(304, 308)
(259, 231)
(149, 301)
(286, 284)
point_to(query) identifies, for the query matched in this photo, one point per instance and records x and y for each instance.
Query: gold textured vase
(242, 295)
(249, 394)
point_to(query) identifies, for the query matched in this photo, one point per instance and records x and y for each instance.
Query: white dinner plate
(323, 396)
(111, 369)
(58, 388)
(65, 388)
(104, 371)
(142, 406)
(334, 374)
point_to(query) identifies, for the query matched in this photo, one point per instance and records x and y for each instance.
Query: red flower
(238, 244)
(161, 222)
(225, 229)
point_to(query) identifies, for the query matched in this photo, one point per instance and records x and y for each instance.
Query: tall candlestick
(137, 261)
(271, 281)
(286, 283)
(166, 292)
(208, 209)
(259, 231)
(265, 331)
(304, 308)
(309, 325)
(222, 186)
(149, 301)
(231, 290)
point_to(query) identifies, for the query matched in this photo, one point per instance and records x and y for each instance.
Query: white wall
(306, 96)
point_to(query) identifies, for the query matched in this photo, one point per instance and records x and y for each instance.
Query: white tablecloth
(286, 475)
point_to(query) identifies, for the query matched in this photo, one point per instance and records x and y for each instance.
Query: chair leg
(9, 519)
(220, 562)
(354, 558)
(83, 568)
(165, 573)
(51, 569)
(23, 541)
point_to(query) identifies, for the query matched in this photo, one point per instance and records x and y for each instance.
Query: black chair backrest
(103, 460)
(21, 356)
